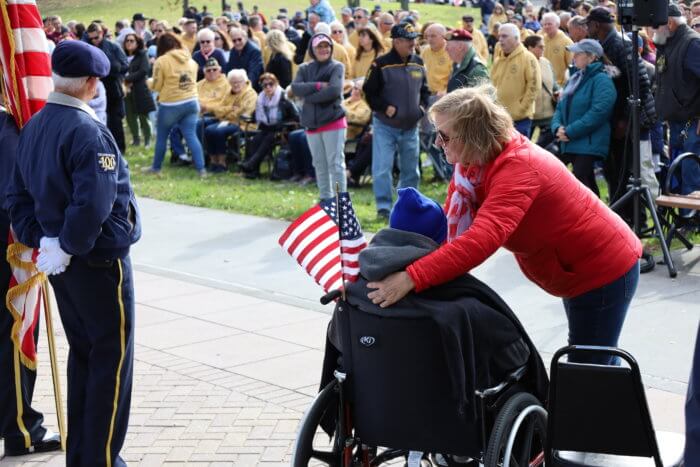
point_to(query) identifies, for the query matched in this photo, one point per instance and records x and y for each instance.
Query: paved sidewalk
(225, 366)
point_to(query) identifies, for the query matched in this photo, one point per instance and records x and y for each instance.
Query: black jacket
(9, 137)
(137, 74)
(113, 81)
(392, 80)
(619, 51)
(281, 68)
(288, 113)
(482, 339)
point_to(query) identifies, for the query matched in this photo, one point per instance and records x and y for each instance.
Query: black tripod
(637, 192)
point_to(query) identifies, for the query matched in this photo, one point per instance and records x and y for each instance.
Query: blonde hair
(278, 43)
(477, 120)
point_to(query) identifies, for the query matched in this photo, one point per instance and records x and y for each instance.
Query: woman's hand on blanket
(391, 289)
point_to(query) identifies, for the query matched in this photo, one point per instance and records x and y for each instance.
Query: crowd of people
(561, 71)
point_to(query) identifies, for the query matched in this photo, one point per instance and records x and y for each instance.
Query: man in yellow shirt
(437, 62)
(361, 19)
(256, 26)
(213, 88)
(189, 35)
(384, 23)
(555, 43)
(478, 39)
(516, 75)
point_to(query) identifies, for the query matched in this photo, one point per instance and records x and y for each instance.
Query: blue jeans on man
(524, 126)
(386, 142)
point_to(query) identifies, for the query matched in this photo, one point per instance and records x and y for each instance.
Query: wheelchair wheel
(527, 449)
(309, 448)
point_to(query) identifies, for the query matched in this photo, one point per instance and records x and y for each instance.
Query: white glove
(52, 259)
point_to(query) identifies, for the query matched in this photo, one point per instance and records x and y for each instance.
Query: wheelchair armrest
(674, 167)
(514, 377)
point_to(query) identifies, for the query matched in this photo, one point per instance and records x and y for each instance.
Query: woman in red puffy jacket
(508, 192)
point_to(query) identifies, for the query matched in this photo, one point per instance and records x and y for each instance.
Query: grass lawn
(112, 10)
(262, 197)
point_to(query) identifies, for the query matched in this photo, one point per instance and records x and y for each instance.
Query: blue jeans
(185, 115)
(387, 141)
(596, 317)
(690, 170)
(524, 126)
(216, 136)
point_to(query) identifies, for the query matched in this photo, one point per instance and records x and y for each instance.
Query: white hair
(239, 73)
(206, 34)
(510, 27)
(678, 20)
(553, 16)
(338, 25)
(68, 85)
(322, 27)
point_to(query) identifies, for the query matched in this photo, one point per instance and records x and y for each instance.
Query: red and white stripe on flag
(24, 298)
(26, 70)
(26, 63)
(313, 240)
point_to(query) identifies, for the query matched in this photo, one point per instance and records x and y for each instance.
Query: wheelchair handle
(331, 296)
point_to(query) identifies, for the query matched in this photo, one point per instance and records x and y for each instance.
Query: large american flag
(326, 241)
(26, 69)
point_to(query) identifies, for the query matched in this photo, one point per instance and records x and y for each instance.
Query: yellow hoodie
(480, 44)
(518, 80)
(357, 113)
(560, 58)
(211, 92)
(174, 77)
(232, 106)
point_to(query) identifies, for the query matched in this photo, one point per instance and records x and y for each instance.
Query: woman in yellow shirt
(498, 16)
(370, 46)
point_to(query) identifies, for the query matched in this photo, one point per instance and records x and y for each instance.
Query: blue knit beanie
(415, 212)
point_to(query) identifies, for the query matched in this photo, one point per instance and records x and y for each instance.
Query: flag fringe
(14, 259)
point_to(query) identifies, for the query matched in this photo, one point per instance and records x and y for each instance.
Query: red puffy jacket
(564, 238)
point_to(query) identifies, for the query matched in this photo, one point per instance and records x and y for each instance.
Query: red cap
(458, 35)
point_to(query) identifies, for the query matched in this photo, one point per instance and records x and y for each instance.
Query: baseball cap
(586, 45)
(403, 31)
(674, 11)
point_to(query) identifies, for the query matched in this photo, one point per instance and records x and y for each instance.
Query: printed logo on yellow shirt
(556, 50)
(185, 82)
(513, 69)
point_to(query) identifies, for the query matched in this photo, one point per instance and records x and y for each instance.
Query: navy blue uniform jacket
(71, 182)
(9, 134)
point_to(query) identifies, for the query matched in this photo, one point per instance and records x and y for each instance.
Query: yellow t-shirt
(438, 68)
(361, 67)
(211, 93)
(189, 42)
(560, 58)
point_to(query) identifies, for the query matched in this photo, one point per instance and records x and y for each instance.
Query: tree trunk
(404, 5)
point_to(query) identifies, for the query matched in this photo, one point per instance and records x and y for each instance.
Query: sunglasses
(268, 85)
(358, 17)
(130, 40)
(696, 26)
(236, 41)
(93, 38)
(387, 23)
(205, 42)
(444, 139)
(336, 32)
(160, 31)
(211, 70)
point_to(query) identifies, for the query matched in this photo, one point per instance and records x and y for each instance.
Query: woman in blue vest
(581, 122)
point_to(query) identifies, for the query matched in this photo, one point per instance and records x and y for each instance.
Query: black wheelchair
(390, 396)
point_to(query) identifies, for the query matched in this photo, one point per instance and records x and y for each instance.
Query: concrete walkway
(230, 333)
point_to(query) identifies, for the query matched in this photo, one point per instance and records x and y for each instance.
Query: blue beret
(415, 212)
(76, 59)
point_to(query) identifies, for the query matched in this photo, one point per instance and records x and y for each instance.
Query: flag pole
(54, 365)
(340, 238)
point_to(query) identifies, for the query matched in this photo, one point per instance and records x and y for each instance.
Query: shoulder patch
(106, 162)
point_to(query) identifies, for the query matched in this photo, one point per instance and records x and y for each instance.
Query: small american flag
(326, 241)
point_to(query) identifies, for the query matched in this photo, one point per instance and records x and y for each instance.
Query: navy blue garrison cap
(76, 59)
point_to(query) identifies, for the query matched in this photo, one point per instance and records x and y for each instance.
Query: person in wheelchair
(358, 114)
(480, 340)
(273, 113)
(236, 104)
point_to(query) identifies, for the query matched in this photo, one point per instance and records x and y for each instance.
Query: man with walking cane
(71, 196)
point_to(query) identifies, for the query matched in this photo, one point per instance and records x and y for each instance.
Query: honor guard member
(20, 424)
(71, 196)
(397, 92)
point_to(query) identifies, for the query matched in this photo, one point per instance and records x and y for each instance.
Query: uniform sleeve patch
(106, 162)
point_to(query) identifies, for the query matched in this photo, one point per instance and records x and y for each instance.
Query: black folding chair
(598, 413)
